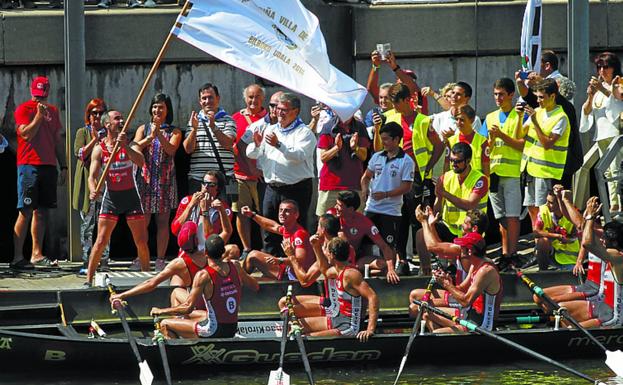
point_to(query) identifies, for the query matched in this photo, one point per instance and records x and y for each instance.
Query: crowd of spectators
(259, 166)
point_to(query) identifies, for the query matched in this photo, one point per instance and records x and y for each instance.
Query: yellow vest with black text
(476, 146)
(453, 216)
(542, 163)
(505, 160)
(564, 253)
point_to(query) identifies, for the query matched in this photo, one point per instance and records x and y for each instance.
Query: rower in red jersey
(276, 268)
(480, 295)
(608, 309)
(219, 287)
(475, 221)
(354, 295)
(191, 241)
(356, 227)
(328, 228)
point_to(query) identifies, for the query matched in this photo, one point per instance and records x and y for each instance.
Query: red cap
(473, 241)
(40, 87)
(187, 237)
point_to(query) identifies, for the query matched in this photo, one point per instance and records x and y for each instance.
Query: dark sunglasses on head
(209, 184)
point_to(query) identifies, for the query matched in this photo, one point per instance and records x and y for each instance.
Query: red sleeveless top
(120, 175)
(226, 294)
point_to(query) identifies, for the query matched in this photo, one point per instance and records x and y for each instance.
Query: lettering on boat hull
(54, 355)
(5, 343)
(606, 340)
(209, 355)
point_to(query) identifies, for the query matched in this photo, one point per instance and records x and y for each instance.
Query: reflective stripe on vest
(505, 160)
(564, 253)
(422, 146)
(452, 216)
(542, 163)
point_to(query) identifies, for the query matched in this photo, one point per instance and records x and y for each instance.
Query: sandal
(22, 264)
(45, 262)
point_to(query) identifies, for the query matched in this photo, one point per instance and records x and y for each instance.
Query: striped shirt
(203, 158)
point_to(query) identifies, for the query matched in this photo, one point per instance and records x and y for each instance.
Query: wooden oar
(296, 332)
(473, 327)
(279, 377)
(416, 327)
(159, 338)
(145, 375)
(614, 359)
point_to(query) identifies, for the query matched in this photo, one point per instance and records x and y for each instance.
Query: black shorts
(388, 227)
(115, 203)
(36, 186)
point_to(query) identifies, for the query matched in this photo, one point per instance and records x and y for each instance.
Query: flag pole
(140, 95)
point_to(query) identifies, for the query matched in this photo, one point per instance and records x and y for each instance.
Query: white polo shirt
(388, 175)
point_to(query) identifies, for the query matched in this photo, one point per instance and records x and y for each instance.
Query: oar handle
(473, 327)
(429, 289)
(537, 289)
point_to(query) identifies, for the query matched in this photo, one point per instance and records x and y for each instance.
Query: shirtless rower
(182, 270)
(479, 295)
(352, 291)
(275, 268)
(356, 227)
(606, 311)
(475, 221)
(219, 287)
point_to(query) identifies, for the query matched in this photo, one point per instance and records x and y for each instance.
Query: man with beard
(458, 190)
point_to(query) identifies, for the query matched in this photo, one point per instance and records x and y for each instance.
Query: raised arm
(265, 223)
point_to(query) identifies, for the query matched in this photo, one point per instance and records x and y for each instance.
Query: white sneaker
(135, 266)
(160, 264)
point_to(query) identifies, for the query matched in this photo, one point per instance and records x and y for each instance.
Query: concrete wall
(442, 43)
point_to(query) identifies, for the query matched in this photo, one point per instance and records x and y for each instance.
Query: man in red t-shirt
(39, 146)
(355, 227)
(343, 149)
(245, 169)
(294, 236)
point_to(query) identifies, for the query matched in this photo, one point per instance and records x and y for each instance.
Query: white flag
(531, 36)
(276, 40)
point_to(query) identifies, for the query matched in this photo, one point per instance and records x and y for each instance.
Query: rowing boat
(80, 306)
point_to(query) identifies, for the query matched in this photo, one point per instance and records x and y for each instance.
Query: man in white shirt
(285, 154)
(444, 122)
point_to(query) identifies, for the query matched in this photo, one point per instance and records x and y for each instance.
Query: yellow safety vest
(564, 253)
(505, 160)
(476, 146)
(542, 163)
(453, 216)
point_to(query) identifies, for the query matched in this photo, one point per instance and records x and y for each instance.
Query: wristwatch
(589, 217)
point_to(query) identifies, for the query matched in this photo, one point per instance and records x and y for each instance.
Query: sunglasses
(603, 66)
(455, 161)
(97, 113)
(272, 105)
(209, 184)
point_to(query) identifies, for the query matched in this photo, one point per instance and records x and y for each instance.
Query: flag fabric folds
(277, 40)
(531, 36)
